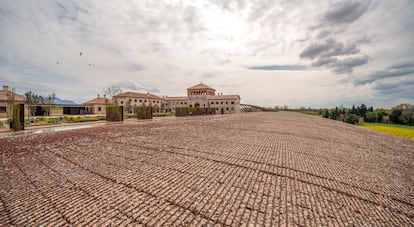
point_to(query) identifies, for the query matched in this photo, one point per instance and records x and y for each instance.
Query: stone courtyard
(272, 169)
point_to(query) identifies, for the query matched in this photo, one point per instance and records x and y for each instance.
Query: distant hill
(63, 101)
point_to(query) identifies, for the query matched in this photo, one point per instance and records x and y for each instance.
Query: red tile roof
(99, 100)
(136, 95)
(4, 96)
(200, 86)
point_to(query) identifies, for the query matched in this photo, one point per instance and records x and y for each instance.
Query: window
(145, 100)
(140, 100)
(222, 102)
(216, 102)
(227, 109)
(99, 108)
(2, 109)
(158, 101)
(135, 100)
(232, 102)
(130, 100)
(181, 103)
(212, 102)
(216, 108)
(227, 102)
(153, 101)
(185, 103)
(232, 108)
(122, 102)
(191, 105)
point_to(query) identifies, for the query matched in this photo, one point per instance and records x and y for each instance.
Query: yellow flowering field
(397, 130)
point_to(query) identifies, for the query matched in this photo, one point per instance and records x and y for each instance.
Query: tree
(395, 114)
(363, 111)
(351, 118)
(325, 114)
(31, 101)
(112, 90)
(407, 115)
(372, 117)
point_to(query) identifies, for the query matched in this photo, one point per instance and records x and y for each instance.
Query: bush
(351, 119)
(144, 112)
(114, 113)
(395, 116)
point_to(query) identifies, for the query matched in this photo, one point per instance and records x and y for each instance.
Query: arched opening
(197, 105)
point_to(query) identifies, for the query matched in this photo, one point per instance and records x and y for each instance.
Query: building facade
(7, 99)
(97, 105)
(203, 96)
(131, 100)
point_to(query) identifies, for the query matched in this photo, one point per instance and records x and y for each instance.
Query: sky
(270, 52)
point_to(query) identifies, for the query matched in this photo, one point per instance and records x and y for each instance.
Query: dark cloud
(328, 48)
(401, 88)
(323, 61)
(278, 67)
(394, 71)
(346, 65)
(323, 34)
(346, 12)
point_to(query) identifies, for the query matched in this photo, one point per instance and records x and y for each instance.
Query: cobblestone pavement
(272, 169)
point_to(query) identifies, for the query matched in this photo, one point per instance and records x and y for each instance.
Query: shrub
(351, 119)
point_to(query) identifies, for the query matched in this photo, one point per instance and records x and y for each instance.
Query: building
(203, 96)
(131, 100)
(97, 105)
(7, 99)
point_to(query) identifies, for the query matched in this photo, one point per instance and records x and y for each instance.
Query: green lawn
(393, 129)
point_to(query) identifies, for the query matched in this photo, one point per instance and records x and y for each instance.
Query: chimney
(5, 88)
(98, 95)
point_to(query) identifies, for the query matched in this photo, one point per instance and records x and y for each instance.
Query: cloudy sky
(295, 53)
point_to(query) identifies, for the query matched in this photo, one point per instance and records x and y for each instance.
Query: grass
(393, 129)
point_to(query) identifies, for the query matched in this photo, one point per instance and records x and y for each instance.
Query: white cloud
(167, 46)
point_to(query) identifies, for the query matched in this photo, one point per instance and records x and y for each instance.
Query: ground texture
(272, 169)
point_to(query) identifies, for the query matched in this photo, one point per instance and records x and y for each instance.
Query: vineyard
(271, 169)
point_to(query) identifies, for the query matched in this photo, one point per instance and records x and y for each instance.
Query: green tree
(372, 117)
(407, 115)
(395, 114)
(351, 119)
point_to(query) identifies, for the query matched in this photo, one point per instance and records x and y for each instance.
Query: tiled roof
(99, 100)
(223, 97)
(200, 86)
(178, 98)
(4, 96)
(136, 95)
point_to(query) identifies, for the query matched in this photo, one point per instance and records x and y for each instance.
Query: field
(271, 169)
(393, 129)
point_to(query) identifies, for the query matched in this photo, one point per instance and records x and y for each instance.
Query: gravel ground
(270, 169)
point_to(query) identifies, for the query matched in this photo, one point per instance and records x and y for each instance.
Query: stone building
(97, 105)
(203, 96)
(8, 97)
(131, 100)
